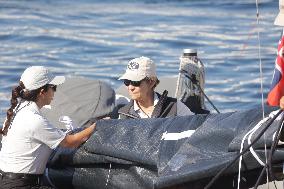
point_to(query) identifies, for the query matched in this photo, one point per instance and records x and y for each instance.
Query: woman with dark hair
(27, 137)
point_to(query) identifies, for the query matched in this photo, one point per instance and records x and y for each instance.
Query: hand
(93, 127)
(281, 103)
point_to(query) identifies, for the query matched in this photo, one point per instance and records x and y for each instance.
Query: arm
(75, 140)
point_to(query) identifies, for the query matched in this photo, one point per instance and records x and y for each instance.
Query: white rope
(242, 145)
(251, 148)
(250, 133)
(192, 65)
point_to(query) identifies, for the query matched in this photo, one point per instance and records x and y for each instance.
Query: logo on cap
(133, 66)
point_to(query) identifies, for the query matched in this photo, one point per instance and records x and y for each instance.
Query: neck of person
(40, 102)
(40, 105)
(147, 102)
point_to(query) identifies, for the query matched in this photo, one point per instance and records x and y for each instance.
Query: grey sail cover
(82, 100)
(141, 153)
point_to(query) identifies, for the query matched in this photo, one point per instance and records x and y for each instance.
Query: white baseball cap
(35, 77)
(139, 68)
(279, 20)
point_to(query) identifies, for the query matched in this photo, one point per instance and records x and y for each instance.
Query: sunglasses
(53, 87)
(133, 83)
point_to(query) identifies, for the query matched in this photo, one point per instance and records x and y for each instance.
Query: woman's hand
(75, 140)
(281, 103)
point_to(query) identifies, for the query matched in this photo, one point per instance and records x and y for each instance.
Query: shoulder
(28, 121)
(36, 120)
(29, 115)
(125, 108)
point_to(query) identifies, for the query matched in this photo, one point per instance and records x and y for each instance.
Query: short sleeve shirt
(29, 142)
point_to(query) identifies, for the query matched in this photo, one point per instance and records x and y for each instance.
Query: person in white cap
(28, 138)
(140, 79)
(279, 20)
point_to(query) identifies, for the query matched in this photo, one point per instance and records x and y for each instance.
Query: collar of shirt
(139, 111)
(28, 104)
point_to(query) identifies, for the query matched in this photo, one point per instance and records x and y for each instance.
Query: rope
(194, 67)
(249, 135)
(219, 174)
(268, 165)
(194, 81)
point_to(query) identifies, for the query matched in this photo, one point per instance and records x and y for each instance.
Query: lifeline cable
(261, 77)
(262, 103)
(245, 150)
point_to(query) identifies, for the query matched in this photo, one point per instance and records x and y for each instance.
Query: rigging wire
(261, 81)
(195, 82)
(267, 167)
(262, 105)
(260, 60)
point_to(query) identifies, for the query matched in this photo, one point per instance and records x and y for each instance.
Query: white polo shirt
(182, 109)
(29, 141)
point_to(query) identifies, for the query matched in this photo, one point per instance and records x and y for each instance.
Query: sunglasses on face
(133, 83)
(53, 87)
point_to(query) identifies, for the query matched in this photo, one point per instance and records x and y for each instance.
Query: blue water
(95, 39)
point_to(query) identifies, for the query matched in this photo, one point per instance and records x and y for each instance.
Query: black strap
(19, 175)
(158, 108)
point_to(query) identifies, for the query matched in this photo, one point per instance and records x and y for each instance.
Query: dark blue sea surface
(96, 39)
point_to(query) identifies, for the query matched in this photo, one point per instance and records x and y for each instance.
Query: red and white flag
(277, 85)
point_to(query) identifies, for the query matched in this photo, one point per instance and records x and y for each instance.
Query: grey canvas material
(132, 154)
(83, 100)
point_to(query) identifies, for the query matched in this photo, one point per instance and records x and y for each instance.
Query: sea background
(96, 39)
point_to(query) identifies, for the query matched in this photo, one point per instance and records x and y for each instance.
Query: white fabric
(35, 77)
(29, 141)
(177, 136)
(182, 109)
(139, 68)
(69, 124)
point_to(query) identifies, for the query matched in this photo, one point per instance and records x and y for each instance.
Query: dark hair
(21, 92)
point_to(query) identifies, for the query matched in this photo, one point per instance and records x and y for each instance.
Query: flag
(277, 85)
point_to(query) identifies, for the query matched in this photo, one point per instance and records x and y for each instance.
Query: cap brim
(132, 76)
(57, 80)
(279, 20)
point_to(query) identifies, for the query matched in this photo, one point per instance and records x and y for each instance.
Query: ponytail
(23, 93)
